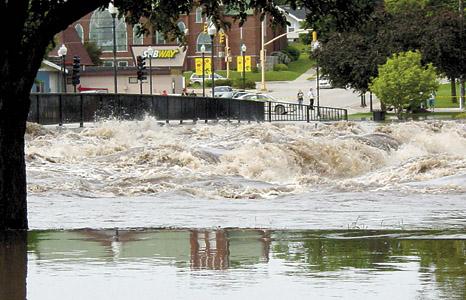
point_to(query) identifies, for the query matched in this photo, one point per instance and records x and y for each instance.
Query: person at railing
(164, 93)
(192, 94)
(300, 97)
(184, 92)
(311, 96)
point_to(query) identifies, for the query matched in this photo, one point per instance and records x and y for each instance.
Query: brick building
(97, 27)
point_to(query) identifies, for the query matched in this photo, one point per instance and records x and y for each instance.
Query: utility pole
(462, 88)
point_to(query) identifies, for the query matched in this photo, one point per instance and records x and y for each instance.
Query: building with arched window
(97, 28)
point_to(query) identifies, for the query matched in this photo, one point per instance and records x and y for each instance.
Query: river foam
(131, 158)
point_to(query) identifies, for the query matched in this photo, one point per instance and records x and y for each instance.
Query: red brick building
(97, 27)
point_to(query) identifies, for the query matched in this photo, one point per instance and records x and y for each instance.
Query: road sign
(239, 63)
(207, 66)
(248, 63)
(198, 62)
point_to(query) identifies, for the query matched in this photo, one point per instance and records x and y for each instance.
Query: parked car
(324, 83)
(257, 97)
(198, 78)
(223, 92)
(278, 108)
(238, 94)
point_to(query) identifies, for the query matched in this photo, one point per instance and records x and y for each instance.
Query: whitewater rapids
(246, 161)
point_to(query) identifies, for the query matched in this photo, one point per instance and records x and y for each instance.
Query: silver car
(198, 78)
(278, 108)
(223, 92)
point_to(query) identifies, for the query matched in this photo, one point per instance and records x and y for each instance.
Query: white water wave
(262, 160)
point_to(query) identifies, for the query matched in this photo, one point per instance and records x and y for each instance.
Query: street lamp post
(150, 55)
(315, 48)
(62, 53)
(113, 11)
(203, 69)
(243, 53)
(212, 31)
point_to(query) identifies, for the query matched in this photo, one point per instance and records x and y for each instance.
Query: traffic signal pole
(75, 77)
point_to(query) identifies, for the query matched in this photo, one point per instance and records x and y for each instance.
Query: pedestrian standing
(300, 97)
(311, 96)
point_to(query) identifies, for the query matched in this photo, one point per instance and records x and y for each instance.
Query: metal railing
(80, 108)
(283, 111)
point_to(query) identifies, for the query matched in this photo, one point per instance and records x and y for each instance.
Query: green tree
(443, 45)
(94, 52)
(352, 58)
(403, 81)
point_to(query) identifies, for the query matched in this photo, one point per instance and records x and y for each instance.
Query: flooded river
(236, 264)
(343, 210)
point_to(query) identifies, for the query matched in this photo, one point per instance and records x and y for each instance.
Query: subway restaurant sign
(163, 56)
(162, 53)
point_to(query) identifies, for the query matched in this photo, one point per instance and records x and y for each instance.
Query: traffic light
(205, 27)
(141, 67)
(75, 72)
(221, 37)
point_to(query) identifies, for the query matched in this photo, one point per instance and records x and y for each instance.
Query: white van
(324, 83)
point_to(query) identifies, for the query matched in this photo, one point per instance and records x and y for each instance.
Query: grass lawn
(295, 69)
(443, 97)
(440, 115)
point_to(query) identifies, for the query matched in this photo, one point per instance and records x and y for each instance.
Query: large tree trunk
(14, 108)
(13, 264)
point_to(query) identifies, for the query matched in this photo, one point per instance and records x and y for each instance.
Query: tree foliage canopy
(403, 80)
(351, 56)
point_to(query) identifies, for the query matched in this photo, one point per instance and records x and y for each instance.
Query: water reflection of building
(220, 249)
(199, 249)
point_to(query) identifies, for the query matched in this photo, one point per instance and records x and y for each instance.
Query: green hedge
(280, 67)
(292, 52)
(219, 82)
(249, 84)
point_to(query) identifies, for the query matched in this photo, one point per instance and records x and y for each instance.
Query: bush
(305, 38)
(220, 82)
(280, 67)
(283, 58)
(403, 81)
(292, 52)
(249, 84)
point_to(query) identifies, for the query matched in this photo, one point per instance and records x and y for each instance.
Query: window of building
(80, 32)
(122, 63)
(199, 15)
(182, 28)
(159, 38)
(133, 80)
(290, 29)
(107, 63)
(101, 31)
(137, 40)
(203, 39)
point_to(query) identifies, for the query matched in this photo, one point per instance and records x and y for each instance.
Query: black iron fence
(80, 108)
(283, 111)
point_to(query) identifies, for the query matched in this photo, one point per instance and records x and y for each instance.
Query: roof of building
(49, 66)
(298, 13)
(70, 38)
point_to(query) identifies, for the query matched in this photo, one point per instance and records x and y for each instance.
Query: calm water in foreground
(233, 264)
